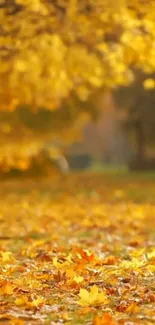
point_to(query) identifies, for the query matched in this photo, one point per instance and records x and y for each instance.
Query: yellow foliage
(54, 51)
(78, 279)
(92, 297)
(151, 255)
(72, 46)
(23, 300)
(149, 84)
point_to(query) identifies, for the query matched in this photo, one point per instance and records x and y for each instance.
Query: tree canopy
(52, 49)
(64, 51)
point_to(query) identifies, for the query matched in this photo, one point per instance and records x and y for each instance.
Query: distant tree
(139, 104)
(55, 53)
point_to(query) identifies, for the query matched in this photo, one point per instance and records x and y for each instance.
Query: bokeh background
(77, 85)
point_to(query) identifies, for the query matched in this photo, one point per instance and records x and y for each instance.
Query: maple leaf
(37, 302)
(132, 308)
(110, 260)
(151, 255)
(7, 257)
(24, 301)
(6, 288)
(135, 264)
(105, 319)
(92, 297)
(21, 301)
(56, 263)
(78, 279)
(85, 254)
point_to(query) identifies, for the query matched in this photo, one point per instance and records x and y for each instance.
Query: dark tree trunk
(140, 141)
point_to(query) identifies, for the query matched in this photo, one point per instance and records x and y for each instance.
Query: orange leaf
(106, 319)
(6, 288)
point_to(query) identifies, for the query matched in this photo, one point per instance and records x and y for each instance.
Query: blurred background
(122, 135)
(77, 85)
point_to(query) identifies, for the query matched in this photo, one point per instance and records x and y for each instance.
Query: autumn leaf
(6, 287)
(21, 301)
(24, 301)
(62, 257)
(78, 279)
(134, 263)
(110, 260)
(92, 297)
(6, 257)
(151, 255)
(132, 308)
(105, 319)
(86, 255)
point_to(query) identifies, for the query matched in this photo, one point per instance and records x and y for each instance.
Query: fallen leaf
(92, 297)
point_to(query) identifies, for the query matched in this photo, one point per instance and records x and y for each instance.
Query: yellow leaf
(84, 297)
(151, 255)
(149, 83)
(21, 301)
(56, 263)
(37, 302)
(70, 273)
(7, 257)
(92, 297)
(133, 308)
(135, 263)
(78, 279)
(151, 268)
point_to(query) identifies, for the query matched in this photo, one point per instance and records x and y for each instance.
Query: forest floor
(78, 250)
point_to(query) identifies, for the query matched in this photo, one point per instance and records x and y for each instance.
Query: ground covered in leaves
(79, 250)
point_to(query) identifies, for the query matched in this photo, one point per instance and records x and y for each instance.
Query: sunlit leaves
(54, 51)
(6, 257)
(72, 256)
(149, 83)
(78, 279)
(24, 301)
(94, 297)
(71, 47)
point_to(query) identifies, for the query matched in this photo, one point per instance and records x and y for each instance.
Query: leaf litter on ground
(74, 257)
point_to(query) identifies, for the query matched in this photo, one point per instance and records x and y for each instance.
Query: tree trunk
(140, 141)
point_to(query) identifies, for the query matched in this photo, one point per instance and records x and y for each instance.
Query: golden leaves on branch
(56, 50)
(53, 51)
(149, 84)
